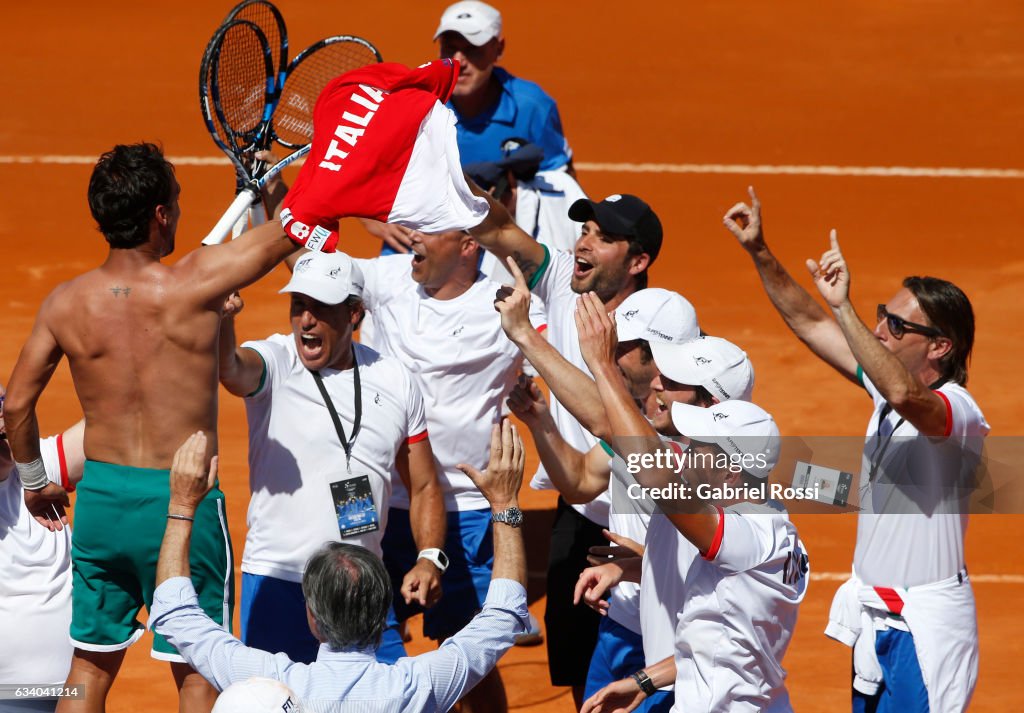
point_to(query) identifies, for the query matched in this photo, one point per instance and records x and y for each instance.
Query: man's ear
(356, 313)
(939, 347)
(639, 263)
(312, 625)
(501, 48)
(469, 246)
(162, 215)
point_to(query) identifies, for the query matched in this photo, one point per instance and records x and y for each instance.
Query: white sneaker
(532, 636)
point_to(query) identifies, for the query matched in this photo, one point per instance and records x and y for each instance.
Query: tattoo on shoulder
(526, 265)
(118, 291)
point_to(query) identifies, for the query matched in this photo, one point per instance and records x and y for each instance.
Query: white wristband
(33, 475)
(436, 556)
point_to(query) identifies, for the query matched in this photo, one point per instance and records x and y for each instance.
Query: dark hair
(636, 248)
(126, 186)
(704, 397)
(646, 355)
(949, 311)
(348, 591)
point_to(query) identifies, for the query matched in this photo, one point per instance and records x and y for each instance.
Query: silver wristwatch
(513, 516)
(435, 556)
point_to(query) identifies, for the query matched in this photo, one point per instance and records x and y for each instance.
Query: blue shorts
(619, 654)
(469, 545)
(274, 619)
(903, 689)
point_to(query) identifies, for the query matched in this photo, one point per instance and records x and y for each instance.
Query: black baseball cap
(622, 214)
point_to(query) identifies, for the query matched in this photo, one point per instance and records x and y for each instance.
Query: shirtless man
(141, 342)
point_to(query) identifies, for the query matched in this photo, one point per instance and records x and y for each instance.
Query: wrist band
(33, 474)
(645, 682)
(436, 556)
(171, 516)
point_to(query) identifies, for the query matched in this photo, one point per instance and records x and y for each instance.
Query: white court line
(698, 168)
(976, 578)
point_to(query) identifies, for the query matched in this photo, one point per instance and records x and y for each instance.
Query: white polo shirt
(552, 286)
(35, 585)
(739, 612)
(460, 359)
(911, 528)
(295, 454)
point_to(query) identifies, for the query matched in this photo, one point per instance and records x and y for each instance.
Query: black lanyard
(346, 444)
(883, 444)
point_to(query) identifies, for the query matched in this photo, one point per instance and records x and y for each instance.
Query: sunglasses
(899, 326)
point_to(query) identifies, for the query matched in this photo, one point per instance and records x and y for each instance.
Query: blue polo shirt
(524, 110)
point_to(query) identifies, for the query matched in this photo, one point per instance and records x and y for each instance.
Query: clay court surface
(696, 88)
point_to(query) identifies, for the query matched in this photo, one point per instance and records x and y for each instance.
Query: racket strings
(265, 17)
(293, 117)
(241, 83)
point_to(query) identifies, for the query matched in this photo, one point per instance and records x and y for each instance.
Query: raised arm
(573, 389)
(694, 518)
(500, 484)
(465, 658)
(802, 314)
(908, 396)
(214, 271)
(241, 370)
(499, 234)
(579, 477)
(415, 464)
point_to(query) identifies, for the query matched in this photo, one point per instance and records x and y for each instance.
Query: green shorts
(120, 514)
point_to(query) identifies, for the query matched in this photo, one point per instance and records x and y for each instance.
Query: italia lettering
(350, 132)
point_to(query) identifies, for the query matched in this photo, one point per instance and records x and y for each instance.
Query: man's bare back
(142, 353)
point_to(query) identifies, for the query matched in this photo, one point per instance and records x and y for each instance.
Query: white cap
(257, 695)
(656, 315)
(717, 364)
(739, 428)
(330, 278)
(477, 21)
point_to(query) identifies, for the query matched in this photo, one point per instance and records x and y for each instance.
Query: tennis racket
(268, 18)
(308, 74)
(292, 120)
(237, 94)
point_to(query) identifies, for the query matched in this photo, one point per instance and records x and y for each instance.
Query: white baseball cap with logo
(477, 21)
(330, 278)
(717, 364)
(739, 428)
(656, 315)
(257, 695)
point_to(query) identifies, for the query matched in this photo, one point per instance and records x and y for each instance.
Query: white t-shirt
(460, 359)
(295, 455)
(552, 286)
(739, 613)
(35, 586)
(911, 528)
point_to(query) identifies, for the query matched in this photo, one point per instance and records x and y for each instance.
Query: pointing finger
(517, 274)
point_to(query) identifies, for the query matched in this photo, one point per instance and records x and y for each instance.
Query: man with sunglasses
(908, 610)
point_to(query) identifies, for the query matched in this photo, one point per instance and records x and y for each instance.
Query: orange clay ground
(915, 83)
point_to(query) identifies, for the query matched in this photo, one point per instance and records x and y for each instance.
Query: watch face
(512, 516)
(443, 559)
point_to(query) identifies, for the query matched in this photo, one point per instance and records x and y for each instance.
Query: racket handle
(258, 214)
(223, 227)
